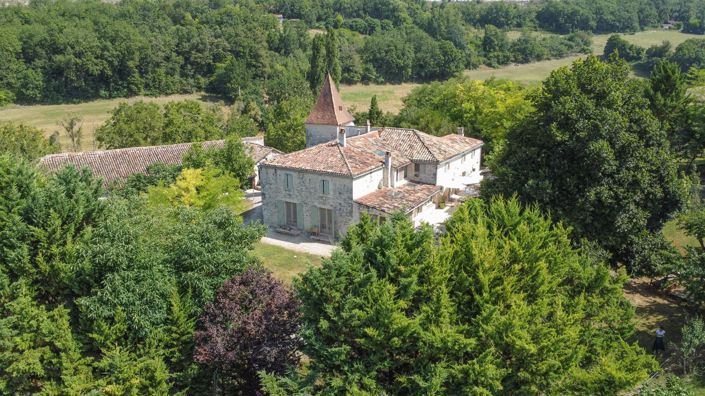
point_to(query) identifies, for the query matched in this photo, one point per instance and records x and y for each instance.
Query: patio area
(434, 216)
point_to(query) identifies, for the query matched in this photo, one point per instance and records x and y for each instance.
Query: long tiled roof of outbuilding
(118, 164)
(330, 158)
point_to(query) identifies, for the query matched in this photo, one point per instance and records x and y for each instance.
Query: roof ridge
(416, 132)
(133, 148)
(340, 149)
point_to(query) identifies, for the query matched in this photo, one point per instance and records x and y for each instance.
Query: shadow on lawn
(654, 309)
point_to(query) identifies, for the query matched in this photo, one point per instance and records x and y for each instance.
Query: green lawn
(285, 264)
(677, 236)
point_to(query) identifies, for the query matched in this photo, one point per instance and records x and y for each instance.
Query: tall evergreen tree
(374, 115)
(317, 63)
(333, 55)
(38, 352)
(668, 94)
(503, 305)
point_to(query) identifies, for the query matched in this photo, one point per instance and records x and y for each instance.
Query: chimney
(387, 177)
(460, 131)
(341, 137)
(368, 127)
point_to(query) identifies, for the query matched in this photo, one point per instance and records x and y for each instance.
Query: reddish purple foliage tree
(251, 326)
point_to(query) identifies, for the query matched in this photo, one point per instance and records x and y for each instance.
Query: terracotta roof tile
(330, 158)
(329, 108)
(118, 164)
(416, 145)
(399, 199)
(365, 152)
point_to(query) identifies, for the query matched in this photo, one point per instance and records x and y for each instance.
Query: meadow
(48, 117)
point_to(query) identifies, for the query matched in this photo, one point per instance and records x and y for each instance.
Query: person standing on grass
(659, 342)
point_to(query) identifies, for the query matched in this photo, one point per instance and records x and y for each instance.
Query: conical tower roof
(329, 108)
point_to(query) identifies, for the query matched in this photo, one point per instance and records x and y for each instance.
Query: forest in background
(59, 51)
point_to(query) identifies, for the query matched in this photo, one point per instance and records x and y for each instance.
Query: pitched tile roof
(365, 152)
(118, 164)
(403, 198)
(330, 158)
(329, 108)
(415, 145)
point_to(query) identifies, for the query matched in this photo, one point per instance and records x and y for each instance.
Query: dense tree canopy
(146, 124)
(67, 51)
(593, 155)
(285, 125)
(503, 305)
(485, 109)
(102, 295)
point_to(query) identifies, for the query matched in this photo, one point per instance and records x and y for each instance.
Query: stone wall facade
(307, 193)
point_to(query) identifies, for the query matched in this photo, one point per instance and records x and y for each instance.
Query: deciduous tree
(594, 156)
(251, 326)
(24, 141)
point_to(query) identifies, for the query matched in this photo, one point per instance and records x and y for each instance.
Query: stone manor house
(346, 170)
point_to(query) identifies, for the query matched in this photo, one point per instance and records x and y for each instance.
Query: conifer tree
(317, 63)
(374, 114)
(38, 352)
(503, 305)
(333, 55)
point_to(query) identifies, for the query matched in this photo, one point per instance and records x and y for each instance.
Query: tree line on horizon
(74, 51)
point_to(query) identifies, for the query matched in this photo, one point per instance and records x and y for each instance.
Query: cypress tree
(374, 114)
(333, 55)
(317, 70)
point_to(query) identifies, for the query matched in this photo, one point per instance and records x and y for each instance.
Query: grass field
(48, 117)
(285, 264)
(389, 96)
(532, 73)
